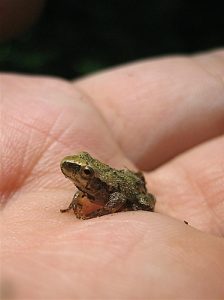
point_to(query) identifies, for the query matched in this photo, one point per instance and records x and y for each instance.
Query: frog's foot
(67, 209)
(75, 205)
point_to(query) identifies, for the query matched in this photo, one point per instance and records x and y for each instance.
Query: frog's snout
(68, 167)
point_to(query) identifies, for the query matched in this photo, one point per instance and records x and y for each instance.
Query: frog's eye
(87, 172)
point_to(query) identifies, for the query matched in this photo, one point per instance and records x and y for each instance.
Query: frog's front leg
(75, 205)
(116, 201)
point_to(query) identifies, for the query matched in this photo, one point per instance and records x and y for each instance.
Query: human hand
(165, 116)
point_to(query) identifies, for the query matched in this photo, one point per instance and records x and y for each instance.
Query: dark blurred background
(73, 38)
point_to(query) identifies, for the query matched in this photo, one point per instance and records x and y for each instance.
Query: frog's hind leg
(145, 202)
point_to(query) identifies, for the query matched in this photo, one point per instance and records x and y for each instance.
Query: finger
(191, 187)
(157, 109)
(127, 255)
(42, 121)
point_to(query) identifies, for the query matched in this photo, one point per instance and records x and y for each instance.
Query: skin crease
(127, 117)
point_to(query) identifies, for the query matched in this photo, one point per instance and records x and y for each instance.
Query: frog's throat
(83, 187)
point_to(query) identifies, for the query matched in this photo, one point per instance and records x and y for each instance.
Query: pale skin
(165, 116)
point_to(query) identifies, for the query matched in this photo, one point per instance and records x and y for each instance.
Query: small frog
(114, 190)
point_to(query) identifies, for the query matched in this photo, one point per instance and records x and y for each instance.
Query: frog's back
(125, 181)
(133, 183)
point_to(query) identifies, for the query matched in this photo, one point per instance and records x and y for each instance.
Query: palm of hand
(128, 117)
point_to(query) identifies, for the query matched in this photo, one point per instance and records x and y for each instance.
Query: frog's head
(78, 168)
